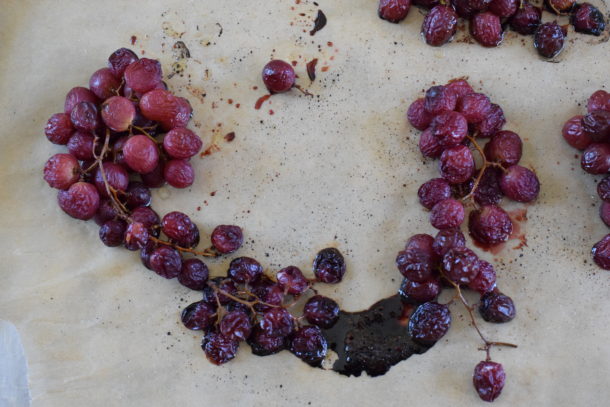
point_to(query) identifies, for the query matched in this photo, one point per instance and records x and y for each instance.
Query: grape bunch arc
(590, 133)
(488, 18)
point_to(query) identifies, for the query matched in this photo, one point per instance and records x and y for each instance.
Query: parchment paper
(341, 168)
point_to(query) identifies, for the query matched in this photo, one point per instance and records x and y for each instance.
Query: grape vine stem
(487, 343)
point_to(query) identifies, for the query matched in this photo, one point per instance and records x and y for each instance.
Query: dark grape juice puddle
(373, 340)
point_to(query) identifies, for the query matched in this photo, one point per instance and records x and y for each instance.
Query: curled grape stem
(487, 343)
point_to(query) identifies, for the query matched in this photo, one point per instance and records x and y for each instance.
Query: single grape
(112, 232)
(77, 95)
(329, 266)
(488, 191)
(309, 345)
(137, 195)
(474, 107)
(81, 145)
(61, 171)
(486, 29)
(429, 145)
(490, 225)
(504, 8)
(236, 325)
(596, 125)
(136, 236)
(488, 379)
(141, 154)
(263, 344)
(119, 60)
(599, 100)
(267, 291)
(245, 270)
(278, 76)
(116, 176)
(165, 261)
(417, 263)
(155, 178)
(104, 84)
(429, 323)
(588, 19)
(549, 39)
(574, 134)
(59, 128)
(461, 265)
(485, 281)
(180, 229)
(179, 173)
(118, 113)
(450, 129)
(277, 322)
(292, 281)
(457, 164)
(601, 253)
(461, 87)
(394, 11)
(80, 201)
(497, 307)
(432, 192)
(194, 274)
(439, 99)
(447, 239)
(603, 189)
(447, 214)
(526, 19)
(181, 143)
(439, 25)
(418, 116)
(321, 311)
(106, 211)
(227, 238)
(413, 292)
(493, 123)
(219, 349)
(85, 117)
(148, 218)
(520, 184)
(143, 75)
(198, 316)
(596, 158)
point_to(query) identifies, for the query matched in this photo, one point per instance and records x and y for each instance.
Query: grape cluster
(251, 305)
(487, 19)
(126, 134)
(591, 134)
(427, 263)
(453, 117)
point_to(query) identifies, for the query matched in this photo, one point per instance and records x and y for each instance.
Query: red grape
(278, 76)
(143, 75)
(505, 148)
(85, 117)
(179, 173)
(141, 154)
(162, 106)
(394, 11)
(447, 214)
(61, 171)
(181, 143)
(118, 113)
(486, 28)
(439, 25)
(104, 84)
(81, 144)
(119, 60)
(59, 128)
(77, 95)
(116, 176)
(80, 201)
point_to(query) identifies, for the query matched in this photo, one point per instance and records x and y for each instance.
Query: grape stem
(487, 343)
(303, 91)
(209, 252)
(486, 164)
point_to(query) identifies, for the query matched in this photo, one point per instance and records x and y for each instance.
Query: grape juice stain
(373, 340)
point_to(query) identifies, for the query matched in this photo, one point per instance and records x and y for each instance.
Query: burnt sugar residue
(373, 340)
(319, 22)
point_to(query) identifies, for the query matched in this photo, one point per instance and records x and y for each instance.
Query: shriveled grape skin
(80, 201)
(59, 128)
(439, 25)
(61, 171)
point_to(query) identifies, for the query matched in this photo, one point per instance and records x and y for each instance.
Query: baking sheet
(341, 168)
